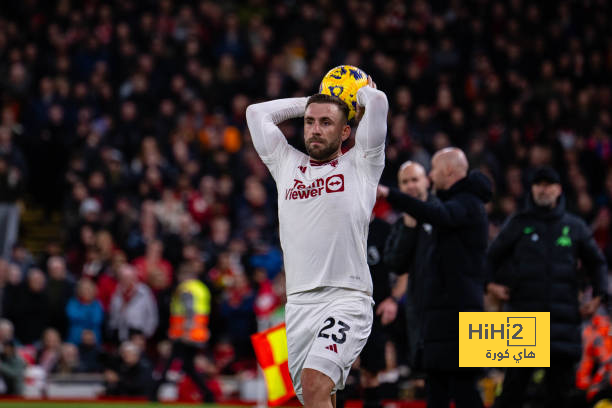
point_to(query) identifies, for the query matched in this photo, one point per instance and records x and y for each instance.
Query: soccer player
(325, 200)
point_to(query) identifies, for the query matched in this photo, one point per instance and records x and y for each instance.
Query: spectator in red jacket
(152, 268)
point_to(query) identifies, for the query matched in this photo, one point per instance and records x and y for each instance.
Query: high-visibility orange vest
(596, 363)
(271, 351)
(189, 310)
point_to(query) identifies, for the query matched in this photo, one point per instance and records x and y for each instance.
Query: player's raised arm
(263, 118)
(372, 129)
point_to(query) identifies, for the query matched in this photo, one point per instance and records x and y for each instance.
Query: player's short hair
(334, 100)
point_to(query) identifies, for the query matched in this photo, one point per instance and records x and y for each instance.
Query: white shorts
(327, 336)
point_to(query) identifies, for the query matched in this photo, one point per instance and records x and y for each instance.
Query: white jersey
(324, 209)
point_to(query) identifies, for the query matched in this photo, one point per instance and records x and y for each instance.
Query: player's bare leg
(316, 389)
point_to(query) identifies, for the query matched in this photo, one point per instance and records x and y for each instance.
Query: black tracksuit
(536, 255)
(409, 250)
(455, 282)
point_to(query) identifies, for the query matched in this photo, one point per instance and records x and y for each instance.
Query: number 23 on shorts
(338, 334)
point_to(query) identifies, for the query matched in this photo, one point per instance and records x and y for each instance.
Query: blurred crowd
(128, 118)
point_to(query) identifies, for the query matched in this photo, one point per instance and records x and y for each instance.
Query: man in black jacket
(457, 271)
(533, 265)
(408, 250)
(372, 360)
(131, 376)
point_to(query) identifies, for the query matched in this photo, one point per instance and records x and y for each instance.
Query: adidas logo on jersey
(301, 191)
(332, 347)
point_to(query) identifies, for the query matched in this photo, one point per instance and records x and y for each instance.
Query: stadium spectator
(237, 311)
(11, 189)
(267, 300)
(60, 288)
(69, 361)
(23, 259)
(30, 310)
(4, 282)
(152, 268)
(50, 351)
(83, 240)
(90, 352)
(84, 312)
(7, 331)
(12, 368)
(132, 306)
(107, 282)
(538, 251)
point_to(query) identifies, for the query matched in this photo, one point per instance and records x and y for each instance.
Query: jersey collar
(333, 162)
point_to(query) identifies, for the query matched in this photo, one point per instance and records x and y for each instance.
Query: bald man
(456, 279)
(406, 254)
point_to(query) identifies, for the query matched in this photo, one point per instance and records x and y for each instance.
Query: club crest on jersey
(302, 191)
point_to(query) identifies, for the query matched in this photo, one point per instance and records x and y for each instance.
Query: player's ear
(346, 132)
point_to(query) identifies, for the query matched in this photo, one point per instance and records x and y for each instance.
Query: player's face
(413, 181)
(324, 130)
(546, 194)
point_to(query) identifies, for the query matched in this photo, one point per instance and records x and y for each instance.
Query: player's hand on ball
(387, 310)
(360, 110)
(343, 82)
(371, 82)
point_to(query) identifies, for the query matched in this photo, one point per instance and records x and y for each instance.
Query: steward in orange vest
(189, 310)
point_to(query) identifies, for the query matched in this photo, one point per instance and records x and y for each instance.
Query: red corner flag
(271, 351)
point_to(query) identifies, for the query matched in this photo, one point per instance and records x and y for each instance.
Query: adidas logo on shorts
(332, 347)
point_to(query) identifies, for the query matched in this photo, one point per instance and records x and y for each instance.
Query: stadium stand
(123, 139)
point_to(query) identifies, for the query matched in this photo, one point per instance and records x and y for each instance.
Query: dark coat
(134, 381)
(11, 186)
(30, 315)
(377, 235)
(456, 281)
(409, 250)
(58, 293)
(536, 254)
(375, 347)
